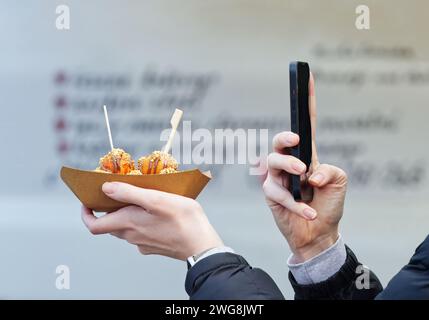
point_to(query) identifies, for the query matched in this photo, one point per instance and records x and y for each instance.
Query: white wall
(372, 98)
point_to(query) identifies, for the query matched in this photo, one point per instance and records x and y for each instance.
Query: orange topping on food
(117, 161)
(156, 162)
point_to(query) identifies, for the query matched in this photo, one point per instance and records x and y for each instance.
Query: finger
(140, 224)
(127, 235)
(262, 165)
(326, 174)
(313, 118)
(147, 250)
(284, 140)
(277, 163)
(106, 224)
(153, 201)
(282, 196)
(283, 179)
(87, 216)
(118, 234)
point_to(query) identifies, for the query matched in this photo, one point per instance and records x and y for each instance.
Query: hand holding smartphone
(299, 76)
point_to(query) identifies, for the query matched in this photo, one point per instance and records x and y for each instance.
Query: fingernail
(317, 178)
(310, 213)
(109, 187)
(298, 167)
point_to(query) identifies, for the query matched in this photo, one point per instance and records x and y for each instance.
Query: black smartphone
(299, 76)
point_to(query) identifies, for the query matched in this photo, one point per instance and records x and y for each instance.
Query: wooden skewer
(175, 120)
(108, 127)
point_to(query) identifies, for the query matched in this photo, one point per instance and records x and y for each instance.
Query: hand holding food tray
(158, 171)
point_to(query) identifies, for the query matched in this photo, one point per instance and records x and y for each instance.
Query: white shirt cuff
(320, 267)
(208, 253)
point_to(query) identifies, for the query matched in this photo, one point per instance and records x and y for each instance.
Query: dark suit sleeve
(342, 285)
(226, 276)
(412, 282)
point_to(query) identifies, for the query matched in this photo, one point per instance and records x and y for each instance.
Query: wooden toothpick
(108, 127)
(175, 120)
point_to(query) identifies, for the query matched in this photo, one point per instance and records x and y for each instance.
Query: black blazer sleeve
(412, 282)
(341, 286)
(226, 276)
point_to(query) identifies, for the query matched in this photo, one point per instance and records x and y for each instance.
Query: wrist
(200, 249)
(206, 240)
(316, 246)
(192, 260)
(320, 267)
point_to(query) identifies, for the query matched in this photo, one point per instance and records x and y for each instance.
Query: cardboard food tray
(86, 185)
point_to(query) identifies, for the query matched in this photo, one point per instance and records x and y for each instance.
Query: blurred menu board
(226, 66)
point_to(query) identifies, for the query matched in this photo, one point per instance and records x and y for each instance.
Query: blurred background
(226, 64)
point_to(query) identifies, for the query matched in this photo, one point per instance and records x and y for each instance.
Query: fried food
(116, 161)
(157, 162)
(168, 170)
(134, 173)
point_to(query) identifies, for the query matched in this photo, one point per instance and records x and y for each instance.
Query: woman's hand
(157, 222)
(309, 227)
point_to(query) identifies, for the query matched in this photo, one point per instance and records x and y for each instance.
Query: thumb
(125, 193)
(326, 174)
(153, 201)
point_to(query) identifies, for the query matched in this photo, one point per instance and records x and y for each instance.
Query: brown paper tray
(86, 185)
